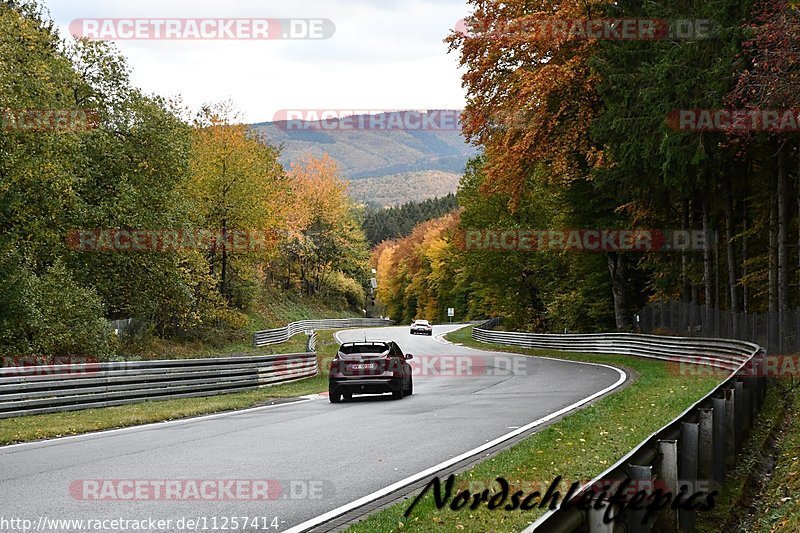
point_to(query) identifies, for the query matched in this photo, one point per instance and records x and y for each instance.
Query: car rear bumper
(365, 385)
(422, 331)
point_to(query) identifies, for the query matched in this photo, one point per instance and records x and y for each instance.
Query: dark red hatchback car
(370, 368)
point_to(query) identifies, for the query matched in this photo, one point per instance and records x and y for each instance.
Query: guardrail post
(641, 476)
(311, 342)
(747, 408)
(705, 444)
(668, 471)
(596, 523)
(730, 427)
(689, 440)
(739, 408)
(758, 385)
(718, 440)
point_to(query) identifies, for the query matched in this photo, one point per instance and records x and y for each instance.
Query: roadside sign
(451, 312)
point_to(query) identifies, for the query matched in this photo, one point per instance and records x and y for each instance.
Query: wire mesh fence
(778, 333)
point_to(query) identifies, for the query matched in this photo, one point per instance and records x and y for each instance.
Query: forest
(596, 133)
(145, 165)
(381, 224)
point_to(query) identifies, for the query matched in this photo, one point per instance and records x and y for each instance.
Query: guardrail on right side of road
(722, 353)
(696, 449)
(279, 335)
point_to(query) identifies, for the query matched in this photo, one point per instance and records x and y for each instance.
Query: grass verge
(733, 507)
(777, 506)
(578, 447)
(29, 428)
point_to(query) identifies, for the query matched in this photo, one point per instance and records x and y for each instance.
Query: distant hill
(434, 156)
(396, 189)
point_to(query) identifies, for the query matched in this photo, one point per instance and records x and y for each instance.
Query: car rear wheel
(335, 398)
(410, 390)
(397, 394)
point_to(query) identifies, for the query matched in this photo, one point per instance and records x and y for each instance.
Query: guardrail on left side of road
(30, 390)
(33, 390)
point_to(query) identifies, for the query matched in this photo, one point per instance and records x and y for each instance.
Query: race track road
(325, 456)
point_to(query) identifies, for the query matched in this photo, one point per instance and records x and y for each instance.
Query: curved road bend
(339, 452)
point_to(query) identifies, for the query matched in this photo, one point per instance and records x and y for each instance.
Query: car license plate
(362, 367)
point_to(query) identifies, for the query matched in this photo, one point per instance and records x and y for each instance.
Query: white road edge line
(330, 515)
(440, 338)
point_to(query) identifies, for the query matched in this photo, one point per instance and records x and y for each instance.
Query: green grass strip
(777, 507)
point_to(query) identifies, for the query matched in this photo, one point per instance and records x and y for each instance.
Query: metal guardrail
(31, 390)
(279, 335)
(721, 353)
(696, 449)
(311, 343)
(56, 388)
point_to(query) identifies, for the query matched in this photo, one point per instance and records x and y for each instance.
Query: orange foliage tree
(531, 93)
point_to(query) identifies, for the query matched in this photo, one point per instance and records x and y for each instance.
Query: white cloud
(384, 54)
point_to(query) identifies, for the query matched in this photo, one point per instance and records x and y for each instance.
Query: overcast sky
(385, 54)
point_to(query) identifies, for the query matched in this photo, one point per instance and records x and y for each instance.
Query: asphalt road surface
(322, 455)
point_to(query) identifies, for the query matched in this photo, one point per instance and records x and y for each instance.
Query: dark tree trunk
(619, 276)
(709, 329)
(783, 233)
(224, 273)
(745, 255)
(773, 246)
(695, 287)
(708, 259)
(686, 291)
(731, 250)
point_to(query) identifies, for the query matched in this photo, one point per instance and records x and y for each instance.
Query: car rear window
(348, 349)
(422, 323)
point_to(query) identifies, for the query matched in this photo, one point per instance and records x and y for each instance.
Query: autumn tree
(236, 184)
(326, 241)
